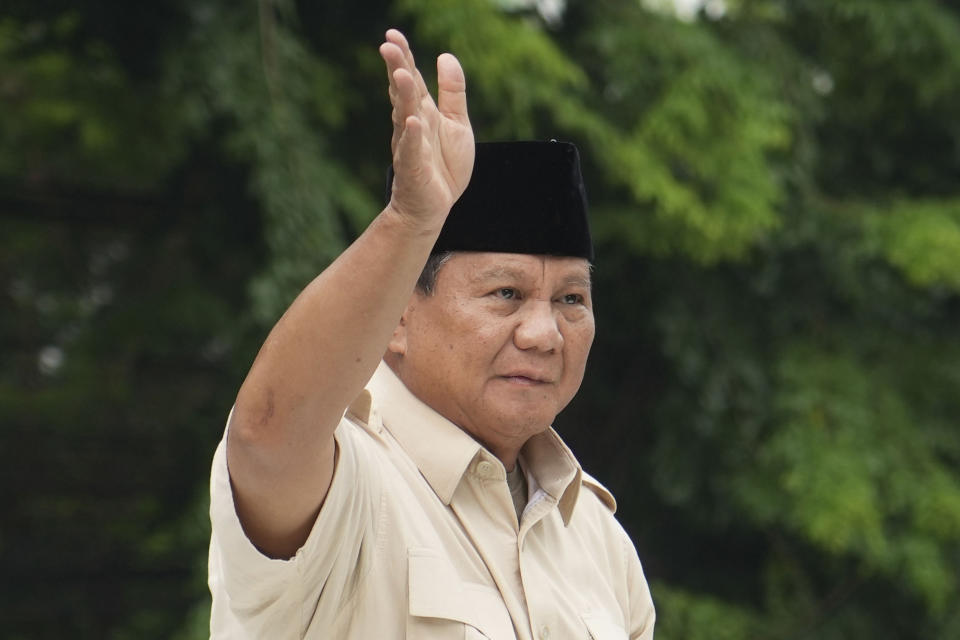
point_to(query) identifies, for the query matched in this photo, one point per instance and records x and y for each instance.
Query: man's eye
(506, 293)
(573, 298)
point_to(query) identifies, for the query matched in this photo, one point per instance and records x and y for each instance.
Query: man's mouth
(526, 378)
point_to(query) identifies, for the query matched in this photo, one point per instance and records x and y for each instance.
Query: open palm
(432, 142)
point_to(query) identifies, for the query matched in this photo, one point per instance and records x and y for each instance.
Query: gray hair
(428, 277)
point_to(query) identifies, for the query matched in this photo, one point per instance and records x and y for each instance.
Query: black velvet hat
(523, 197)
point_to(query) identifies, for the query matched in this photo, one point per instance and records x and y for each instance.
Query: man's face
(500, 346)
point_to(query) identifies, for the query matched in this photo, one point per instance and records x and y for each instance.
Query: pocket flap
(436, 591)
(601, 628)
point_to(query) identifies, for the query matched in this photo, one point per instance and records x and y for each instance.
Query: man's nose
(538, 328)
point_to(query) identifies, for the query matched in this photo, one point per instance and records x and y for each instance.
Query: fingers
(393, 58)
(402, 87)
(451, 92)
(405, 91)
(397, 39)
(408, 153)
(405, 102)
(432, 142)
(451, 88)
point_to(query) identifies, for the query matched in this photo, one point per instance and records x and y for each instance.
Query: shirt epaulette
(601, 491)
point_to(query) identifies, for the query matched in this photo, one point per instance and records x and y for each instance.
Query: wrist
(417, 225)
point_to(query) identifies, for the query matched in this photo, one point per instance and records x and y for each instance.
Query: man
(384, 479)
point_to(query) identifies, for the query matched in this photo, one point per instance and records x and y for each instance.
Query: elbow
(253, 423)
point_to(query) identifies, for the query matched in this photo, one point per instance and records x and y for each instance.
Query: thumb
(451, 88)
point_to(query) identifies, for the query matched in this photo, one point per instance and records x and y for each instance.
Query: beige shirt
(418, 538)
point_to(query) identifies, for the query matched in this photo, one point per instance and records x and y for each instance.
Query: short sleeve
(257, 597)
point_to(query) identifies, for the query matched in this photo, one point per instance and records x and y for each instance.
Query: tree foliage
(772, 394)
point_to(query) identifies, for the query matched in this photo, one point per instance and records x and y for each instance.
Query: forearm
(280, 450)
(316, 359)
(328, 343)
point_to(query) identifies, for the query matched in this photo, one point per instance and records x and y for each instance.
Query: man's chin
(525, 420)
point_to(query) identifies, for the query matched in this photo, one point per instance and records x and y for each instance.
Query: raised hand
(432, 142)
(321, 353)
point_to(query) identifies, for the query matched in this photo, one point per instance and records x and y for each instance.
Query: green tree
(772, 394)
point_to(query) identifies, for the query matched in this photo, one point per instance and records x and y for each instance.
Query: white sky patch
(822, 82)
(50, 359)
(550, 10)
(688, 10)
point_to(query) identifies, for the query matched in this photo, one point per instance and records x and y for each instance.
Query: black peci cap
(523, 197)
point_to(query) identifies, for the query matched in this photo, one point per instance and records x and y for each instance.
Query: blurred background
(774, 393)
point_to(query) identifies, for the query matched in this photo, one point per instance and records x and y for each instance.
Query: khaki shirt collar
(443, 452)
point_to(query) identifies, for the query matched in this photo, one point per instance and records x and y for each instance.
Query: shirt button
(544, 632)
(485, 469)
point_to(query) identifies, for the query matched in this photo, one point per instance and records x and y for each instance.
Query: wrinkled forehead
(481, 266)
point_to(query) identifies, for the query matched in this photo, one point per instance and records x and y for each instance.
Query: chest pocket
(602, 629)
(444, 606)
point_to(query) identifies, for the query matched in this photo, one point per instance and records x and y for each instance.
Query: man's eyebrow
(579, 281)
(497, 273)
(506, 273)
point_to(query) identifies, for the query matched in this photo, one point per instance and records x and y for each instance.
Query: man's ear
(398, 341)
